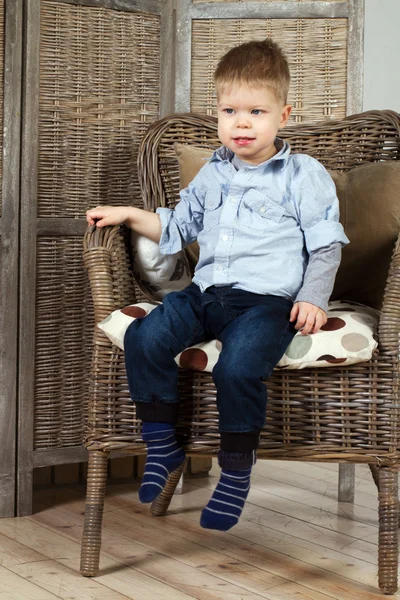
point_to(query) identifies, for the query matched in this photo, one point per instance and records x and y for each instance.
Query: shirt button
(262, 209)
(233, 199)
(220, 268)
(225, 238)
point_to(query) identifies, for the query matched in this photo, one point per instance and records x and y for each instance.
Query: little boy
(267, 224)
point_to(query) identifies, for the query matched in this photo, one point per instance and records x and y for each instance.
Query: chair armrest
(106, 258)
(389, 324)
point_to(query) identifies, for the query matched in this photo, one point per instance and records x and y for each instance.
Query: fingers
(310, 318)
(294, 312)
(99, 216)
(90, 219)
(301, 316)
(320, 321)
(92, 215)
(305, 322)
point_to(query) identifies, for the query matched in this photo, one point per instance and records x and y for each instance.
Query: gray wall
(382, 54)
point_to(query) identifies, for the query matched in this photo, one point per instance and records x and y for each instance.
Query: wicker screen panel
(1, 109)
(195, 1)
(1, 91)
(99, 90)
(316, 50)
(64, 331)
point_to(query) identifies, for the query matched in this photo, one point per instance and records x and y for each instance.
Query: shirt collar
(223, 153)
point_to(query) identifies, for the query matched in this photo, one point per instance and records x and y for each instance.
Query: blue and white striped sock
(164, 455)
(225, 507)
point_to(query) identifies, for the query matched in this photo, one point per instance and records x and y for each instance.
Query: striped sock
(164, 455)
(225, 507)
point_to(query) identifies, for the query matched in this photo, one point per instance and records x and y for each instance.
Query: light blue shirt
(255, 226)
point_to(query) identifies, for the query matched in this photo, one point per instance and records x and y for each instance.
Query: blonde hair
(256, 64)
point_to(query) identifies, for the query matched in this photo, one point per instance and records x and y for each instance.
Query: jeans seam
(236, 430)
(276, 346)
(182, 346)
(166, 400)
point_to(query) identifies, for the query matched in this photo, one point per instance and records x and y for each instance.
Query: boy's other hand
(107, 215)
(310, 318)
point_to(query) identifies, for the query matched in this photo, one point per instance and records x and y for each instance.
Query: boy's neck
(240, 163)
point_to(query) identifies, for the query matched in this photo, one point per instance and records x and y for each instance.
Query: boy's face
(248, 121)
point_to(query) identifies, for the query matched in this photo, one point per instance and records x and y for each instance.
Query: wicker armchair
(342, 414)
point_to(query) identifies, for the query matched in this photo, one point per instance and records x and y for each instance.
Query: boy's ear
(285, 115)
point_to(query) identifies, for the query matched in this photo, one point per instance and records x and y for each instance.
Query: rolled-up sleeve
(318, 209)
(181, 225)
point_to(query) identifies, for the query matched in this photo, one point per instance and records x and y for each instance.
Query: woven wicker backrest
(339, 145)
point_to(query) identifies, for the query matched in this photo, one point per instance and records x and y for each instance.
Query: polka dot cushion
(349, 336)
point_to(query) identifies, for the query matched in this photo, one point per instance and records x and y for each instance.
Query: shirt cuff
(322, 304)
(170, 240)
(324, 234)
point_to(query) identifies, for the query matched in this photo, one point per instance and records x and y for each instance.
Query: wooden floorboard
(294, 542)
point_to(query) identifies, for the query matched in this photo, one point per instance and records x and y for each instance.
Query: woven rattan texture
(339, 145)
(99, 90)
(64, 331)
(2, 37)
(316, 50)
(195, 1)
(345, 413)
(309, 413)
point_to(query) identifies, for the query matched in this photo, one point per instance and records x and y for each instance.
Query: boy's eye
(229, 111)
(256, 111)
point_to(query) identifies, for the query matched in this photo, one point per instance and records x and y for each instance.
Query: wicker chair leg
(95, 493)
(388, 534)
(160, 505)
(375, 474)
(346, 482)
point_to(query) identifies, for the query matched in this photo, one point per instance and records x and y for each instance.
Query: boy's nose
(243, 122)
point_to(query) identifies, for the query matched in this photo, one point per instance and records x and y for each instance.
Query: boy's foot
(225, 507)
(164, 455)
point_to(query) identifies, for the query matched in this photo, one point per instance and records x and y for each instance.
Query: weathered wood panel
(93, 79)
(10, 91)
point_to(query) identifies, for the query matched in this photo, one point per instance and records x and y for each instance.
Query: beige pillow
(369, 198)
(190, 160)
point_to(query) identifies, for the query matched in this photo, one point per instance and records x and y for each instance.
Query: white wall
(382, 55)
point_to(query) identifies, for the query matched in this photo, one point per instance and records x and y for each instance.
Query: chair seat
(348, 337)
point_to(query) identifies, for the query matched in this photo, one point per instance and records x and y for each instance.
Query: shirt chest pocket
(212, 208)
(259, 212)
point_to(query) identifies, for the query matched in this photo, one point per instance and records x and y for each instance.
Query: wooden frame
(9, 229)
(31, 228)
(28, 261)
(152, 6)
(353, 10)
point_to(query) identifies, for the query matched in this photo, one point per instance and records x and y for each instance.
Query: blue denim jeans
(254, 331)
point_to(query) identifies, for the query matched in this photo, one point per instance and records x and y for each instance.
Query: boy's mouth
(243, 141)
